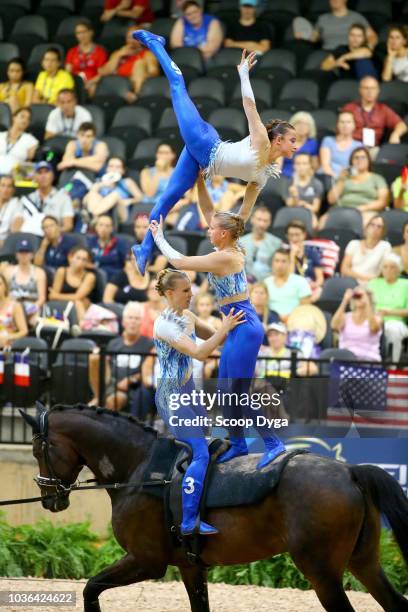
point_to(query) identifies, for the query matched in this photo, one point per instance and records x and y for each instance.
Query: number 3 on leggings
(190, 486)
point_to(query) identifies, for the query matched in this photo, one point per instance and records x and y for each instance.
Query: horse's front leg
(127, 570)
(195, 581)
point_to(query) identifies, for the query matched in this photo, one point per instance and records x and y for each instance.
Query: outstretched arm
(257, 130)
(205, 203)
(251, 194)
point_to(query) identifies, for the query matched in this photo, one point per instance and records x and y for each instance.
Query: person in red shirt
(138, 10)
(86, 58)
(373, 118)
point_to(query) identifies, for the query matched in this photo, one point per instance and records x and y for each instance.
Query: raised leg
(195, 581)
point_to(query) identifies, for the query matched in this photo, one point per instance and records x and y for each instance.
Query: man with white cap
(248, 32)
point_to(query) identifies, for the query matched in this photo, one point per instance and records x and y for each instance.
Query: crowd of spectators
(85, 204)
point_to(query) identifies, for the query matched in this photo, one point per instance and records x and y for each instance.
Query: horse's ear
(39, 408)
(31, 421)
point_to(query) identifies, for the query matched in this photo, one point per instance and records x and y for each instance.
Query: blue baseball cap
(43, 165)
(248, 2)
(24, 246)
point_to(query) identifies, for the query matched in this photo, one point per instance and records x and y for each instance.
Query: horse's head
(58, 461)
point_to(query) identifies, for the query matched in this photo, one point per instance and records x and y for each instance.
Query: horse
(325, 513)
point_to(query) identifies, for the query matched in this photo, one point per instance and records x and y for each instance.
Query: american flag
(368, 395)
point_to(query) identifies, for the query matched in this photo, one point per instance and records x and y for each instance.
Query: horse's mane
(97, 410)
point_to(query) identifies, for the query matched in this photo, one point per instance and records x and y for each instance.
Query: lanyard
(10, 145)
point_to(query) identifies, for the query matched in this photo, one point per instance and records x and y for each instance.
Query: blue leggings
(199, 136)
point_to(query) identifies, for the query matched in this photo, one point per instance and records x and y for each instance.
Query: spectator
(335, 151)
(286, 290)
(399, 189)
(154, 180)
(359, 187)
(74, 283)
(137, 10)
(46, 200)
(133, 62)
(304, 259)
(363, 259)
(224, 194)
(113, 191)
(141, 225)
(391, 300)
(305, 189)
(55, 245)
(259, 296)
(27, 282)
(260, 245)
(86, 58)
(151, 309)
(108, 251)
(52, 78)
(359, 330)
(373, 118)
(66, 119)
(352, 61)
(396, 61)
(11, 211)
(127, 286)
(16, 92)
(402, 250)
(123, 367)
(13, 323)
(332, 28)
(17, 145)
(306, 142)
(204, 306)
(197, 29)
(248, 32)
(86, 153)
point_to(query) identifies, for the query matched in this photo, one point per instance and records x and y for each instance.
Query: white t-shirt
(57, 123)
(8, 212)
(12, 154)
(369, 261)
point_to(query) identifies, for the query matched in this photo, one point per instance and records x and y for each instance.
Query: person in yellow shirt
(51, 79)
(16, 92)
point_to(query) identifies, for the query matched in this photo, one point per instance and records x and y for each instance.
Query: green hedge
(73, 551)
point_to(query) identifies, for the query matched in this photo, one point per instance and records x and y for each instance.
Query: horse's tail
(387, 495)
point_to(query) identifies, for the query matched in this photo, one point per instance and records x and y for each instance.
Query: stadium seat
(11, 11)
(262, 91)
(192, 239)
(208, 94)
(340, 93)
(345, 218)
(39, 116)
(155, 95)
(98, 118)
(287, 214)
(65, 34)
(110, 95)
(334, 354)
(77, 239)
(8, 250)
(392, 154)
(317, 8)
(231, 123)
(190, 62)
(92, 10)
(54, 11)
(36, 55)
(5, 116)
(70, 372)
(178, 242)
(333, 292)
(56, 144)
(326, 121)
(131, 124)
(275, 113)
(8, 51)
(281, 12)
(378, 14)
(223, 65)
(278, 66)
(340, 236)
(144, 154)
(116, 146)
(299, 95)
(394, 93)
(168, 130)
(311, 70)
(27, 32)
(163, 26)
(113, 35)
(205, 247)
(394, 220)
(272, 194)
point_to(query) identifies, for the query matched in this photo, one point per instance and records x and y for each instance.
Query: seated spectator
(224, 194)
(132, 61)
(13, 322)
(52, 78)
(204, 305)
(46, 200)
(128, 285)
(86, 153)
(27, 282)
(259, 245)
(248, 32)
(332, 28)
(259, 296)
(306, 142)
(372, 118)
(123, 367)
(396, 61)
(399, 189)
(304, 189)
(359, 330)
(188, 216)
(352, 61)
(86, 58)
(402, 250)
(154, 179)
(108, 251)
(141, 225)
(16, 144)
(55, 245)
(113, 191)
(137, 10)
(74, 283)
(359, 187)
(286, 290)
(335, 150)
(11, 211)
(151, 309)
(66, 119)
(16, 92)
(391, 300)
(363, 259)
(304, 259)
(197, 29)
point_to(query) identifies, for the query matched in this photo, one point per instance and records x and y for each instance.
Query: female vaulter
(174, 337)
(240, 350)
(250, 160)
